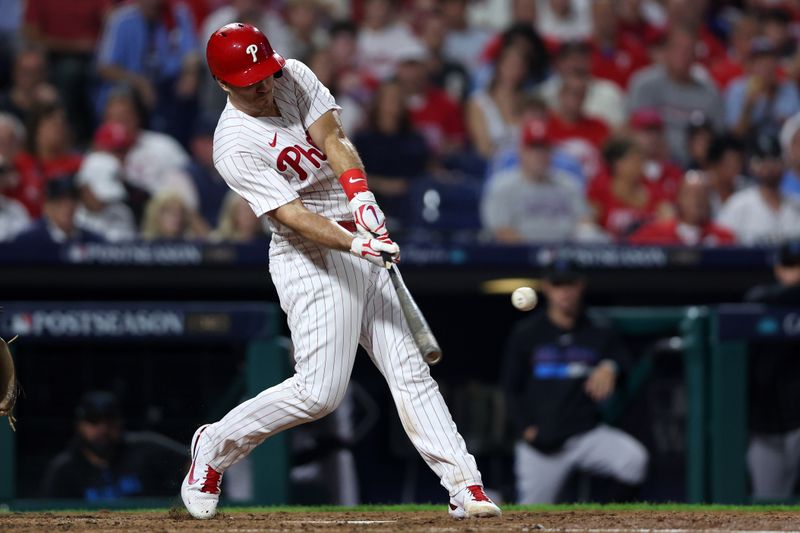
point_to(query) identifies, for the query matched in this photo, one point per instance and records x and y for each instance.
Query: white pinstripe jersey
(270, 161)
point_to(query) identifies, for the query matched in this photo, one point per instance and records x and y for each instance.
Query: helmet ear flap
(278, 74)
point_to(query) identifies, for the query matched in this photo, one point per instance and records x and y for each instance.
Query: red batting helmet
(240, 55)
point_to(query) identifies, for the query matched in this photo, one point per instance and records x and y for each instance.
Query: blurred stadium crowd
(635, 121)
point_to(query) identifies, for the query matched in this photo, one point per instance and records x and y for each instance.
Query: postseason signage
(415, 254)
(134, 320)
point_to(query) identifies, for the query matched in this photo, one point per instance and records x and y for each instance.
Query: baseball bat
(423, 336)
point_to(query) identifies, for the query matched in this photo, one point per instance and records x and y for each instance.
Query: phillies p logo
(252, 49)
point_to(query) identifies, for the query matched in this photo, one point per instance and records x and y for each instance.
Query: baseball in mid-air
(524, 298)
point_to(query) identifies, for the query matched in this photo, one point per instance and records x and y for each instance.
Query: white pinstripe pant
(334, 301)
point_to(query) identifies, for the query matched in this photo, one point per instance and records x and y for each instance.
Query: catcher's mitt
(8, 383)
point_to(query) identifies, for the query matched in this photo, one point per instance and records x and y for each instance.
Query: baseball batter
(280, 145)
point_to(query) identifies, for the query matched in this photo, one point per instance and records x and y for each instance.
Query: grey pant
(773, 461)
(603, 450)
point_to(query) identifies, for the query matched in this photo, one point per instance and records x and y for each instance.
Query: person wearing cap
(104, 462)
(676, 89)
(102, 208)
(533, 202)
(773, 455)
(646, 128)
(560, 366)
(57, 226)
(256, 12)
(759, 102)
(762, 215)
(692, 225)
(151, 47)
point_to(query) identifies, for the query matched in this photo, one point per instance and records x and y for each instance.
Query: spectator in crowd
(438, 118)
(322, 64)
(560, 366)
(693, 224)
(532, 202)
(68, 32)
(253, 12)
(745, 30)
(154, 161)
(699, 136)
(10, 25)
(758, 102)
(13, 215)
(723, 169)
(493, 113)
(12, 139)
(237, 222)
(776, 24)
(211, 188)
(774, 391)
(451, 76)
(790, 147)
(615, 56)
(29, 87)
(640, 20)
(381, 37)
(690, 14)
(351, 79)
(102, 208)
(392, 151)
(762, 215)
(151, 46)
(57, 226)
(49, 151)
(168, 218)
(623, 200)
(304, 23)
(676, 90)
(647, 131)
(105, 462)
(564, 20)
(463, 43)
(580, 135)
(604, 99)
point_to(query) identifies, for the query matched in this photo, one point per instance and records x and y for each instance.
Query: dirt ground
(374, 522)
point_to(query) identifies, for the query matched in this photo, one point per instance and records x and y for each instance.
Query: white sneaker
(472, 502)
(200, 488)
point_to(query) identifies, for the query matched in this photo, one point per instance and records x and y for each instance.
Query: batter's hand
(373, 250)
(601, 382)
(370, 220)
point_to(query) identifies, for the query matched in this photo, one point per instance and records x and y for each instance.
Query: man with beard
(104, 462)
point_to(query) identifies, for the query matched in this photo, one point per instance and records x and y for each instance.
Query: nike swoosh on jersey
(274, 140)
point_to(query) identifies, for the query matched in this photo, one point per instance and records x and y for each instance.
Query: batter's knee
(322, 405)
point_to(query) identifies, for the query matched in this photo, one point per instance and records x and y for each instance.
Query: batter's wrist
(353, 181)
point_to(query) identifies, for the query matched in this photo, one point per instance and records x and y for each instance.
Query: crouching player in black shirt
(559, 366)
